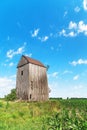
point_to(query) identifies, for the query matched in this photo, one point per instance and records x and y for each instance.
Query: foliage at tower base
(11, 96)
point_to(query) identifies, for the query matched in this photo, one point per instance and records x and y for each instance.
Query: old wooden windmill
(31, 81)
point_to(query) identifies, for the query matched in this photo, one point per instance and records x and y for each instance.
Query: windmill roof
(33, 61)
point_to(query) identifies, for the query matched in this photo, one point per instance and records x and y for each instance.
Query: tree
(11, 96)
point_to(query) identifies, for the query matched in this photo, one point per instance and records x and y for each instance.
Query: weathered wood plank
(31, 82)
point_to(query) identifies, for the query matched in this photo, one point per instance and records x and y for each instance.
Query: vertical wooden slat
(32, 74)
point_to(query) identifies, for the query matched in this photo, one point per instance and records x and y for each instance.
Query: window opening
(22, 72)
(32, 85)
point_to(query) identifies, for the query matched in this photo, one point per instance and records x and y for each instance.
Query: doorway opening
(30, 96)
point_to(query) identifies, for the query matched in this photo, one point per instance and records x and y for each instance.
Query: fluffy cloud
(6, 84)
(30, 55)
(43, 39)
(67, 72)
(35, 33)
(65, 34)
(77, 9)
(82, 28)
(78, 62)
(85, 4)
(74, 29)
(6, 64)
(53, 75)
(76, 77)
(67, 90)
(71, 34)
(12, 53)
(78, 87)
(72, 25)
(11, 64)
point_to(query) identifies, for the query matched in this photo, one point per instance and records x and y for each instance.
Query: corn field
(55, 114)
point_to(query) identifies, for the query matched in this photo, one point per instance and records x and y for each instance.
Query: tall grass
(53, 114)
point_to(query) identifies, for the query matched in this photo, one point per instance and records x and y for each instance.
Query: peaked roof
(33, 61)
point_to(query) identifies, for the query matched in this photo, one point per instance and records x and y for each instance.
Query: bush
(11, 96)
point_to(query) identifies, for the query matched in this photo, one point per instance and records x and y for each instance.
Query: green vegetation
(11, 96)
(55, 114)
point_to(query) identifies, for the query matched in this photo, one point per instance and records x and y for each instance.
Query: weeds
(51, 115)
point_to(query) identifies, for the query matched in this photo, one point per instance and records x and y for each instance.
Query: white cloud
(67, 90)
(55, 90)
(43, 39)
(11, 64)
(79, 91)
(30, 55)
(63, 32)
(53, 75)
(74, 29)
(77, 87)
(13, 76)
(35, 33)
(72, 25)
(65, 13)
(76, 77)
(79, 62)
(70, 34)
(77, 9)
(82, 27)
(64, 90)
(85, 4)
(67, 72)
(6, 84)
(12, 53)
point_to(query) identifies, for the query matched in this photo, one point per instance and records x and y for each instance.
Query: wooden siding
(22, 62)
(38, 81)
(31, 82)
(22, 83)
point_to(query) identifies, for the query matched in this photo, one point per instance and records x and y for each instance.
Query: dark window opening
(30, 96)
(21, 72)
(32, 85)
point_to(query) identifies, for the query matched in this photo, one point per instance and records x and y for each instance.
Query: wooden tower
(31, 80)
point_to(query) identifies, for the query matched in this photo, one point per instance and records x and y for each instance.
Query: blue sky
(52, 31)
